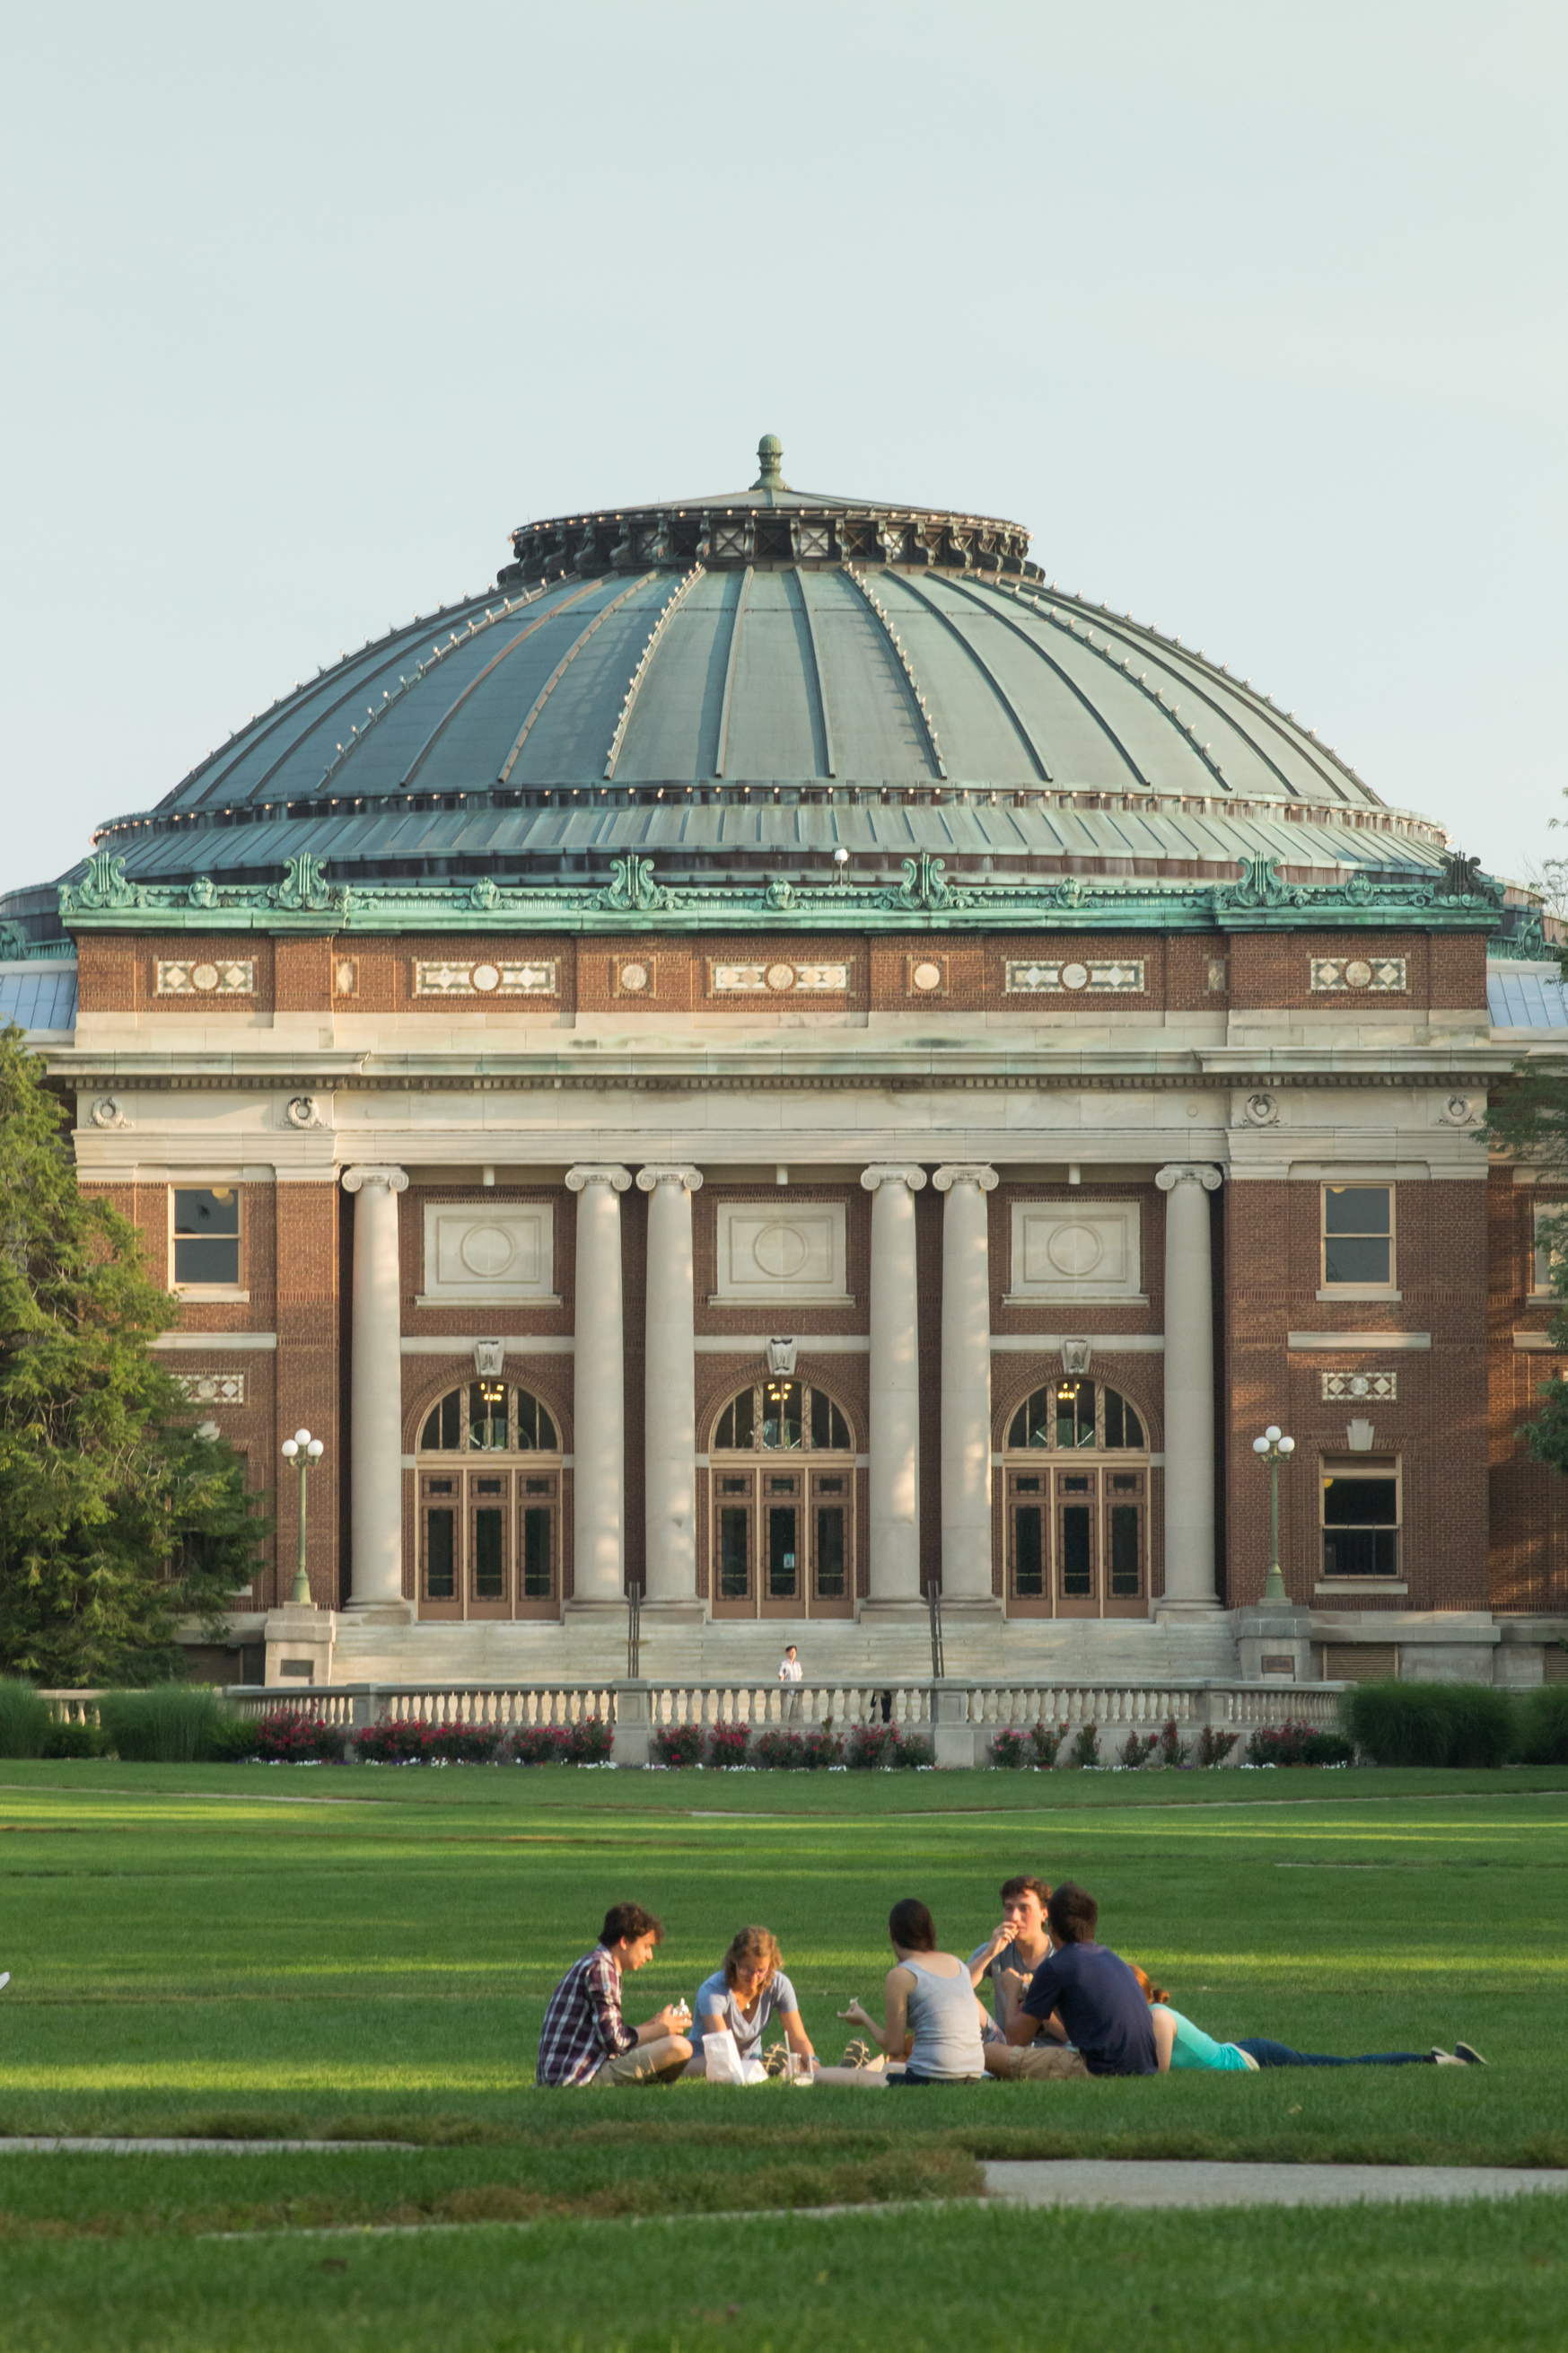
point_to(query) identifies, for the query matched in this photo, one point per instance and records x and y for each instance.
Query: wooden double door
(490, 1540)
(1077, 1539)
(783, 1540)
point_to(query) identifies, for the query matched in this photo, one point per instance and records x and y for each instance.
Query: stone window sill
(1075, 1299)
(1362, 1291)
(204, 1292)
(1362, 1585)
(785, 1305)
(490, 1299)
(1543, 1299)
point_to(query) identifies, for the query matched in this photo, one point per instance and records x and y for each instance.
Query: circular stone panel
(1075, 976)
(781, 1251)
(1075, 1251)
(487, 1251)
(487, 977)
(633, 978)
(204, 976)
(1357, 973)
(780, 976)
(927, 976)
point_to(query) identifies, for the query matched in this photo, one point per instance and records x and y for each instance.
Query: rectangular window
(782, 1579)
(489, 1553)
(441, 1553)
(1361, 1520)
(1028, 1552)
(1550, 1233)
(735, 1524)
(536, 1551)
(205, 1236)
(1358, 1236)
(830, 1549)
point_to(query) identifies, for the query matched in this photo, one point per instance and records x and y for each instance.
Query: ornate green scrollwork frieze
(1460, 899)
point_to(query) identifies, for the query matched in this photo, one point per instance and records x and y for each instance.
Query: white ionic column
(1189, 1383)
(669, 1470)
(375, 1393)
(895, 1386)
(598, 1388)
(965, 1384)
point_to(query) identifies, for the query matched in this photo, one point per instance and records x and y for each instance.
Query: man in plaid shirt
(586, 2040)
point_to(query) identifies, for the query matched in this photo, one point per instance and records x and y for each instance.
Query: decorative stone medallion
(793, 1252)
(106, 1113)
(494, 1252)
(1063, 1250)
(211, 1388)
(1359, 1388)
(926, 976)
(1262, 1110)
(778, 979)
(303, 1110)
(633, 979)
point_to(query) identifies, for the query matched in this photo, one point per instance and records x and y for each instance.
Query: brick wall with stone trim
(1528, 1500)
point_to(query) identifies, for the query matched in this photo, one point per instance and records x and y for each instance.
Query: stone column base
(379, 1613)
(300, 1645)
(1274, 1643)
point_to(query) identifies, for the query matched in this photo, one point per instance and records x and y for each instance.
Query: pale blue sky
(1254, 314)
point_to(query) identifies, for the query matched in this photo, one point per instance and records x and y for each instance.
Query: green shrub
(1431, 1724)
(679, 1745)
(1543, 1726)
(589, 1741)
(1137, 1749)
(1047, 1739)
(1085, 1749)
(73, 1740)
(1011, 1750)
(170, 1724)
(1214, 1747)
(232, 1739)
(1297, 1744)
(24, 1720)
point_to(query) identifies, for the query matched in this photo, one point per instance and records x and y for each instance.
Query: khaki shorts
(639, 2066)
(1044, 2063)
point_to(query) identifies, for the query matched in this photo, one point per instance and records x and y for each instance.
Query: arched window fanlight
(489, 1416)
(1073, 1413)
(780, 1416)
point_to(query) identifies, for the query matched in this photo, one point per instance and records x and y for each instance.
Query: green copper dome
(750, 680)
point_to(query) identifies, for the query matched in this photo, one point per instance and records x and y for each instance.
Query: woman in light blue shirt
(746, 1993)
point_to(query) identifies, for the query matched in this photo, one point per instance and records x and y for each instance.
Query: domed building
(775, 1062)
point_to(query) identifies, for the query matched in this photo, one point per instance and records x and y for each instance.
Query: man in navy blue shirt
(1087, 1995)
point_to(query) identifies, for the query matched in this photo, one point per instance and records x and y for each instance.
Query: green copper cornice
(1460, 899)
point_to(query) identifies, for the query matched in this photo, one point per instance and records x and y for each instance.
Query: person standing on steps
(789, 1672)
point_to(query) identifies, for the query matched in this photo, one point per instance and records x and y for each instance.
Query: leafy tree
(117, 1518)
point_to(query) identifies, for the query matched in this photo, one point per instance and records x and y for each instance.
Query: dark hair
(1073, 1914)
(1151, 1992)
(630, 1921)
(911, 1926)
(1023, 1885)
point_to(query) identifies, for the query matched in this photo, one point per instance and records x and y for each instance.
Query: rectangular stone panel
(1359, 1388)
(1347, 976)
(779, 979)
(1093, 975)
(211, 1388)
(1061, 1251)
(197, 978)
(485, 1253)
(784, 1257)
(482, 979)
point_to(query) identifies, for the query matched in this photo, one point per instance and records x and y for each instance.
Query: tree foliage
(117, 1519)
(1529, 1121)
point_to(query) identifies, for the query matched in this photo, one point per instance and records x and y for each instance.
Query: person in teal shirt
(1179, 2043)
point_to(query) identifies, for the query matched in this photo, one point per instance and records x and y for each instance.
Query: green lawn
(364, 1953)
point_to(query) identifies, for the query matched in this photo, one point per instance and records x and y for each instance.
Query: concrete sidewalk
(1148, 2182)
(24, 2145)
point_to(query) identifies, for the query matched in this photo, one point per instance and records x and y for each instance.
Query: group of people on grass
(1063, 2005)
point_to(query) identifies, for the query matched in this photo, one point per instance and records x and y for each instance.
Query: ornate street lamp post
(1274, 1449)
(307, 1451)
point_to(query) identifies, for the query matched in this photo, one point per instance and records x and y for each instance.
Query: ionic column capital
(1189, 1171)
(658, 1172)
(396, 1180)
(966, 1172)
(912, 1177)
(579, 1179)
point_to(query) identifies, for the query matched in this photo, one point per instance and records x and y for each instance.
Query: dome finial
(770, 458)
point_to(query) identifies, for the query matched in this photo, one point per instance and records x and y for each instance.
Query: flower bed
(874, 1746)
(729, 1744)
(280, 1738)
(679, 1744)
(1297, 1744)
(538, 1743)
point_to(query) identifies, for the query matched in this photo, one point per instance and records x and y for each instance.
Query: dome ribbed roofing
(776, 671)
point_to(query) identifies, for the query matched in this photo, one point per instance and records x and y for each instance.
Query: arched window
(489, 1507)
(779, 1415)
(1073, 1413)
(488, 1418)
(1077, 1530)
(782, 1532)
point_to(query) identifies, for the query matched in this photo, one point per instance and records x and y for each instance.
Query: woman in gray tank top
(929, 1995)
